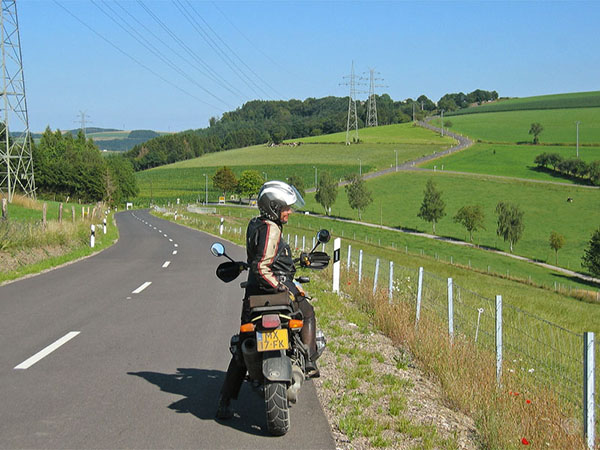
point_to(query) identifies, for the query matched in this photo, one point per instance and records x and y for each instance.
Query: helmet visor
(299, 200)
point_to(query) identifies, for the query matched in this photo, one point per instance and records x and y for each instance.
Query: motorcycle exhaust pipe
(294, 388)
(252, 359)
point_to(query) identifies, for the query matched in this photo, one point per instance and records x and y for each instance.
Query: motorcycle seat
(278, 299)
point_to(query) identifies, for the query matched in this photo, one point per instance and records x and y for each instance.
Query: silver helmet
(274, 195)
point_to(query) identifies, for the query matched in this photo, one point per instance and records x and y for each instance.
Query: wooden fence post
(44, 210)
(60, 211)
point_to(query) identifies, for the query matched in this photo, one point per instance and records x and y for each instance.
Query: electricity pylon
(352, 116)
(372, 104)
(16, 161)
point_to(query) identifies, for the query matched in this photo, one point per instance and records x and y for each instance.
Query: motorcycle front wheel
(276, 402)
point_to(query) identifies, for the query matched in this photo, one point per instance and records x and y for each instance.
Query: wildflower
(531, 370)
(524, 441)
(528, 401)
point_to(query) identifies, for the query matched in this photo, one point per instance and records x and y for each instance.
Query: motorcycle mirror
(217, 249)
(323, 236)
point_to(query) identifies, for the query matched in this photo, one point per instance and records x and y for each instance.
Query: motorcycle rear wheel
(276, 403)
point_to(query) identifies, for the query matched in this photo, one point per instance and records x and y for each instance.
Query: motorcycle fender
(277, 366)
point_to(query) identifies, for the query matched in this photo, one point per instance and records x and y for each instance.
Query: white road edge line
(142, 287)
(45, 352)
(166, 264)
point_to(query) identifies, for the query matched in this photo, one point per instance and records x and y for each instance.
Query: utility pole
(372, 103)
(442, 123)
(16, 161)
(352, 116)
(577, 123)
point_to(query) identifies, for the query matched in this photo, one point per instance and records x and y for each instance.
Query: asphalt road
(135, 370)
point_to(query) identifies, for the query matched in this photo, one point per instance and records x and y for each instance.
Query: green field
(513, 127)
(405, 133)
(510, 161)
(185, 179)
(554, 101)
(102, 135)
(397, 198)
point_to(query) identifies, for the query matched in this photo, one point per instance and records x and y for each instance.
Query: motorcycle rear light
(271, 321)
(294, 323)
(247, 328)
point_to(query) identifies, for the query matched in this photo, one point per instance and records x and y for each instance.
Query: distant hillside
(557, 101)
(111, 139)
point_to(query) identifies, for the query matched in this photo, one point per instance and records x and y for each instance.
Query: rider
(271, 270)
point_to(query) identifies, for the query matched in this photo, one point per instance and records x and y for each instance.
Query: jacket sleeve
(267, 242)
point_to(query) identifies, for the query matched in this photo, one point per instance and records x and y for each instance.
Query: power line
(207, 74)
(152, 49)
(224, 57)
(144, 66)
(233, 52)
(281, 67)
(182, 44)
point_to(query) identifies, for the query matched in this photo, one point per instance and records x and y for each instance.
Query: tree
(298, 183)
(358, 195)
(510, 223)
(432, 208)
(591, 255)
(327, 191)
(224, 180)
(536, 129)
(121, 184)
(557, 241)
(249, 183)
(471, 217)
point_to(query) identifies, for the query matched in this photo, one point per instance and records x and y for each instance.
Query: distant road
(463, 143)
(128, 349)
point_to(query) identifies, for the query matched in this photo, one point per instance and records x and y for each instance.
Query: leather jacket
(269, 258)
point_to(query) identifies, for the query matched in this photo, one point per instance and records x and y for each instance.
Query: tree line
(74, 167)
(260, 122)
(574, 167)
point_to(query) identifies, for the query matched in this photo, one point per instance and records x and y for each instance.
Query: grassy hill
(512, 127)
(405, 133)
(555, 101)
(185, 179)
(511, 161)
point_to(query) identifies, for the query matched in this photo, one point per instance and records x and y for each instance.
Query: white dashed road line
(142, 287)
(174, 252)
(166, 264)
(45, 352)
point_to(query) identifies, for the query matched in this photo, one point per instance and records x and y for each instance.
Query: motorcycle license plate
(272, 340)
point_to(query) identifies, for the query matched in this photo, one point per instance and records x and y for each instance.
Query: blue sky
(283, 50)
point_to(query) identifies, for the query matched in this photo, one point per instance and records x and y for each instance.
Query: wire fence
(534, 352)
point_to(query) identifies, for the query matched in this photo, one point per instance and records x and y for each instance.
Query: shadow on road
(200, 389)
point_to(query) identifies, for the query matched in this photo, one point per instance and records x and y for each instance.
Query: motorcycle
(269, 344)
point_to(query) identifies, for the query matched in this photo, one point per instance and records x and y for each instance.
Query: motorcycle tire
(276, 402)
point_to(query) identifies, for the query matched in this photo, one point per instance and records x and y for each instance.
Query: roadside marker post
(221, 227)
(104, 224)
(92, 235)
(336, 265)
